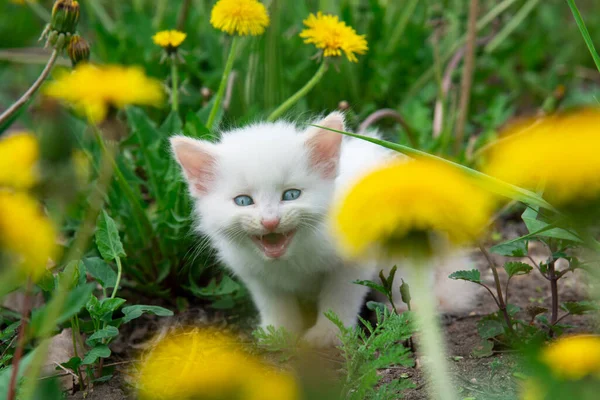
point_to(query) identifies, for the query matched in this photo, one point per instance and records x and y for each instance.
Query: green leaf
(107, 238)
(171, 125)
(75, 272)
(100, 351)
(545, 229)
(105, 333)
(579, 307)
(517, 268)
(483, 349)
(371, 285)
(489, 328)
(106, 307)
(76, 300)
(226, 286)
(375, 305)
(133, 312)
(72, 364)
(513, 248)
(471, 276)
(494, 185)
(101, 271)
(194, 127)
(6, 373)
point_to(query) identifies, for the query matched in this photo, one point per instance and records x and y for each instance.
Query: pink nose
(270, 224)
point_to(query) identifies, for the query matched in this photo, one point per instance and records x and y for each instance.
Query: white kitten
(261, 196)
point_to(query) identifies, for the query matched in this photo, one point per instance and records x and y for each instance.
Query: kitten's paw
(322, 336)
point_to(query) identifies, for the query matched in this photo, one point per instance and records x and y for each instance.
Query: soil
(476, 378)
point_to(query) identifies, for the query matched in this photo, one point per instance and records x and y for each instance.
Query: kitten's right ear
(197, 161)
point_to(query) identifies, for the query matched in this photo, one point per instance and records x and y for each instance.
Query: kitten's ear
(324, 145)
(197, 161)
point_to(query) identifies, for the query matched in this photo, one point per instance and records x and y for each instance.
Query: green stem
(223, 84)
(300, 93)
(430, 337)
(490, 183)
(584, 32)
(118, 282)
(175, 85)
(75, 328)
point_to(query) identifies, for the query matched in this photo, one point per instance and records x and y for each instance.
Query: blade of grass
(511, 26)
(407, 12)
(490, 183)
(584, 32)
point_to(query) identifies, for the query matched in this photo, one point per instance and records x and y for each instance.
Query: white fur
(263, 160)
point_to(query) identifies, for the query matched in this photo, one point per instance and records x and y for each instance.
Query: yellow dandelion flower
(559, 152)
(169, 39)
(208, 364)
(333, 36)
(19, 154)
(26, 235)
(94, 90)
(404, 201)
(574, 357)
(241, 17)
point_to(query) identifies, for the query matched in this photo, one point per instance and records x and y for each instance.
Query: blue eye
(243, 200)
(291, 194)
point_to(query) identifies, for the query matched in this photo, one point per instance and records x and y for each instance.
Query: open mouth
(274, 245)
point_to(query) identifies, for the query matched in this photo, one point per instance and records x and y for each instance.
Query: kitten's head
(266, 186)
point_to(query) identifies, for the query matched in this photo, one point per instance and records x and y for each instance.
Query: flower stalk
(16, 106)
(300, 93)
(431, 339)
(174, 85)
(223, 84)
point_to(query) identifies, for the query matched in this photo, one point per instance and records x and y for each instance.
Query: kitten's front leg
(344, 298)
(276, 307)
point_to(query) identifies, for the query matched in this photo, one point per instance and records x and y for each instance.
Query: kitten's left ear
(324, 145)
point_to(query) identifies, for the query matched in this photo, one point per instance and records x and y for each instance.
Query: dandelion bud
(78, 50)
(65, 15)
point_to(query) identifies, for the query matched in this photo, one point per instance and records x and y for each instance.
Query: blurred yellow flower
(574, 357)
(19, 154)
(208, 364)
(333, 36)
(558, 152)
(169, 39)
(403, 202)
(26, 235)
(242, 17)
(94, 90)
